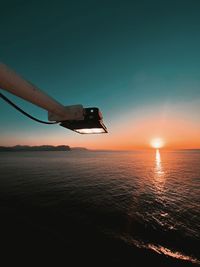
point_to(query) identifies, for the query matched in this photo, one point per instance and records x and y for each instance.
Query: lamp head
(92, 122)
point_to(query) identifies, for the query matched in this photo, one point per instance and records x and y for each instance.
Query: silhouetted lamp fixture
(91, 124)
(76, 118)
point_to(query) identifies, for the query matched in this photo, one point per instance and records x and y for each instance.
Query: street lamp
(91, 124)
(76, 118)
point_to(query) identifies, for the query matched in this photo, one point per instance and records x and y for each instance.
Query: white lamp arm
(13, 83)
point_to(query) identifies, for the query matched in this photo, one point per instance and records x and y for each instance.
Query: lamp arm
(13, 83)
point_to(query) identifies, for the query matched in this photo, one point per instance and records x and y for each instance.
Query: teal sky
(125, 57)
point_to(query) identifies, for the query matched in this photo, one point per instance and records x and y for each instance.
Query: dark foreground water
(100, 208)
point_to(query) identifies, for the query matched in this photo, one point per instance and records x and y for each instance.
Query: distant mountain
(35, 148)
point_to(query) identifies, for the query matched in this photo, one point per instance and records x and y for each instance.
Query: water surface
(105, 207)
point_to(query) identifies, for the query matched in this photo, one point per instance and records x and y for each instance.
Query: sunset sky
(138, 61)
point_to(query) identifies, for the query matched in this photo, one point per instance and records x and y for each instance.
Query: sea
(100, 208)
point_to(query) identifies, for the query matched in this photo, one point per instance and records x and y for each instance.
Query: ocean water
(101, 208)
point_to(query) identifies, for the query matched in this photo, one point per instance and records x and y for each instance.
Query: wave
(161, 250)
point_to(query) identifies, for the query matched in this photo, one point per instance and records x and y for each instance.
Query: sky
(138, 61)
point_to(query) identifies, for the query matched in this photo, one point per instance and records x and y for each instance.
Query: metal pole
(16, 85)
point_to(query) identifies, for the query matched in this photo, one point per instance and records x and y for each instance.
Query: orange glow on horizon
(132, 131)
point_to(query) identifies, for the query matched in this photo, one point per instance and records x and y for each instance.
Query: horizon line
(104, 149)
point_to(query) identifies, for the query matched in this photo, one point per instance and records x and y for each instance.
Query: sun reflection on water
(159, 175)
(158, 159)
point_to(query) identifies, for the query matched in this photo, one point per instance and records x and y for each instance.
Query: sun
(157, 143)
